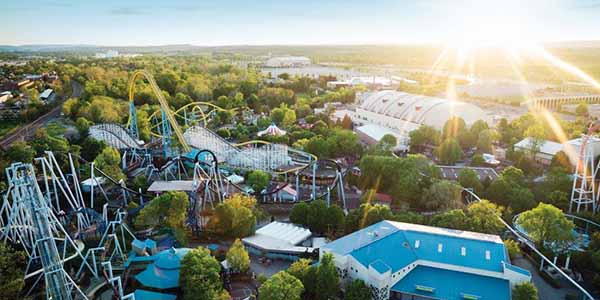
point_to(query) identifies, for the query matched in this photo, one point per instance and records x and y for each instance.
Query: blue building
(409, 261)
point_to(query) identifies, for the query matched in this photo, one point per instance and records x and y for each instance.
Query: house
(409, 261)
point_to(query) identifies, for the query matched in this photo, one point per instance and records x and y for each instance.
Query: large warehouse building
(401, 111)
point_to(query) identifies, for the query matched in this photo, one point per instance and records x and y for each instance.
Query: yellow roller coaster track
(163, 104)
(195, 106)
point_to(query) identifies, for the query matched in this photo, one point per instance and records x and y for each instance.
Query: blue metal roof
(451, 285)
(149, 295)
(380, 266)
(394, 243)
(164, 272)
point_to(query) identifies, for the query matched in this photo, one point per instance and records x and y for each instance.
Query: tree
(20, 152)
(536, 136)
(524, 291)
(347, 122)
(468, 178)
(424, 135)
(455, 219)
(235, 217)
(306, 273)
(108, 161)
(91, 148)
(358, 290)
(442, 195)
(386, 145)
(582, 110)
(199, 275)
(483, 216)
(513, 248)
(449, 151)
(485, 139)
(547, 224)
(258, 180)
(299, 213)
(167, 210)
(281, 286)
(327, 278)
(11, 267)
(453, 128)
(477, 160)
(561, 160)
(237, 257)
(318, 146)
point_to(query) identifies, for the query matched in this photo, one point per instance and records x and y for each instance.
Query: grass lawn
(7, 126)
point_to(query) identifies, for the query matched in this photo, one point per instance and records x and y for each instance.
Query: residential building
(408, 261)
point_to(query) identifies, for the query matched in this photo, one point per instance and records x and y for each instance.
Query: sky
(293, 22)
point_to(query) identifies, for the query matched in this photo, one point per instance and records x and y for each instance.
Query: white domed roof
(420, 109)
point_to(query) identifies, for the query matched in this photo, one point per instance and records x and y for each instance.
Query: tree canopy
(547, 224)
(237, 257)
(199, 276)
(281, 286)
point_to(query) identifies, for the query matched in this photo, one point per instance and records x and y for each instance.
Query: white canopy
(272, 130)
(235, 179)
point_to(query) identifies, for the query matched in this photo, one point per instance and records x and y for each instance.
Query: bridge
(556, 102)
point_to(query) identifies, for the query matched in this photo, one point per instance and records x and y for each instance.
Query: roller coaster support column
(166, 135)
(298, 184)
(314, 184)
(341, 193)
(133, 127)
(42, 222)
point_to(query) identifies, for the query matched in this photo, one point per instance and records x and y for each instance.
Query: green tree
(453, 128)
(485, 139)
(11, 267)
(449, 151)
(468, 178)
(20, 151)
(318, 146)
(299, 213)
(235, 217)
(306, 273)
(167, 210)
(582, 110)
(108, 161)
(386, 145)
(237, 257)
(442, 195)
(524, 291)
(513, 248)
(424, 135)
(484, 216)
(547, 224)
(357, 290)
(199, 275)
(561, 160)
(455, 219)
(258, 180)
(281, 286)
(477, 160)
(536, 135)
(327, 278)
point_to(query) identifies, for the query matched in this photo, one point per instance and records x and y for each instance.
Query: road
(27, 131)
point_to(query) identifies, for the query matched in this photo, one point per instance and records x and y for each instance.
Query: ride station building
(408, 261)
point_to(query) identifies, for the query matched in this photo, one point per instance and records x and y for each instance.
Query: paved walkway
(545, 290)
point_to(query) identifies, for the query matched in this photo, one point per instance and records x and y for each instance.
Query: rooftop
(381, 242)
(421, 282)
(277, 236)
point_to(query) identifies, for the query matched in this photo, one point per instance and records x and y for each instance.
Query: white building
(47, 95)
(280, 240)
(371, 134)
(548, 149)
(370, 81)
(398, 110)
(408, 261)
(287, 61)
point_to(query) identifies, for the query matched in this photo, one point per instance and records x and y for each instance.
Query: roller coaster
(276, 159)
